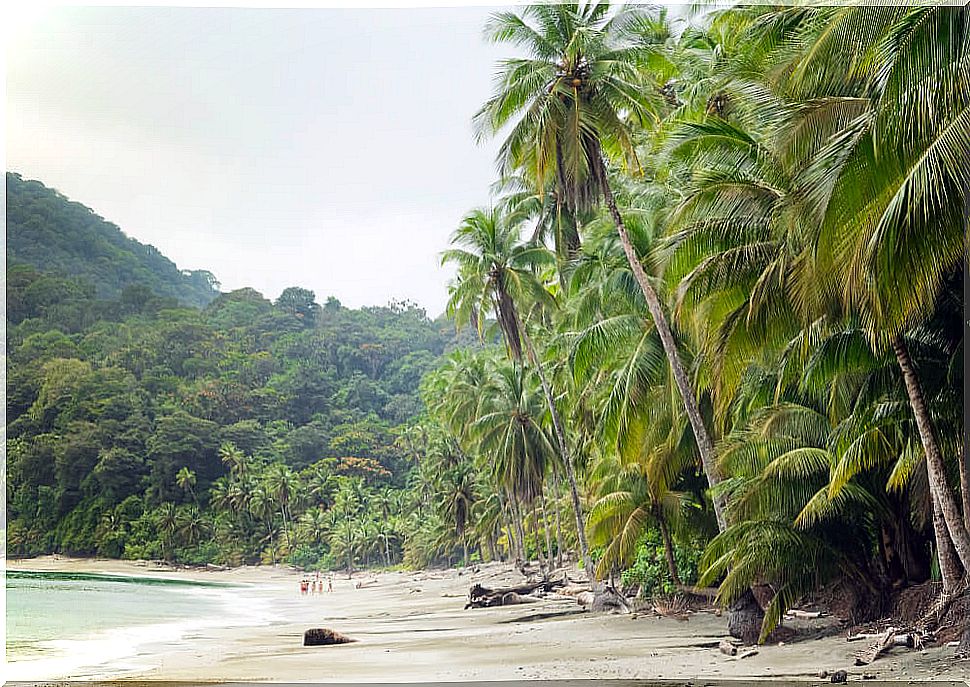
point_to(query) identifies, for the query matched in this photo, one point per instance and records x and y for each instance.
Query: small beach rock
(840, 677)
(320, 636)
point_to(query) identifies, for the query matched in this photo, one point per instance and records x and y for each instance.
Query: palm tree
(892, 179)
(459, 500)
(577, 97)
(167, 524)
(496, 271)
(185, 479)
(282, 485)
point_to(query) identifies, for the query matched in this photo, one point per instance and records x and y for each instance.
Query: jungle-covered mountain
(55, 234)
(121, 406)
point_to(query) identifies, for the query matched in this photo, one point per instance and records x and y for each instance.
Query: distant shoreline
(411, 627)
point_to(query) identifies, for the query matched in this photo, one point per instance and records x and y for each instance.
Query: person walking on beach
(330, 583)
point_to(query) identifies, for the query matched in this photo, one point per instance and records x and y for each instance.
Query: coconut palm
(282, 485)
(571, 102)
(496, 273)
(185, 479)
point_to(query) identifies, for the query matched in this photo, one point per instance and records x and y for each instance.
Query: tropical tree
(574, 100)
(497, 271)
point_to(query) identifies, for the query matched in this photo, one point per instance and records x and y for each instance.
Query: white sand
(411, 627)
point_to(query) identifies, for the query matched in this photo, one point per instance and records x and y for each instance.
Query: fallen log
(480, 596)
(873, 651)
(907, 639)
(609, 600)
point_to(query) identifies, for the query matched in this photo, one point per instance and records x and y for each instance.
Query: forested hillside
(52, 233)
(124, 412)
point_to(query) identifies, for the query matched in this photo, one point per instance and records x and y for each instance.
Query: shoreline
(411, 627)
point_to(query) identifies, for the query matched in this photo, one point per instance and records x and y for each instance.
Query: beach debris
(839, 677)
(321, 636)
(609, 600)
(672, 606)
(727, 648)
(868, 676)
(480, 596)
(872, 652)
(573, 589)
(908, 639)
(747, 654)
(585, 598)
(803, 615)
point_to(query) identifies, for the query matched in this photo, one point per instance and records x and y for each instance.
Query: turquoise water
(62, 625)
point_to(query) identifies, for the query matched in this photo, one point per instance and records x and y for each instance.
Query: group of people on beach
(315, 585)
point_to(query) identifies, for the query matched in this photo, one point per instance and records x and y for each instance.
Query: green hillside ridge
(55, 234)
(128, 414)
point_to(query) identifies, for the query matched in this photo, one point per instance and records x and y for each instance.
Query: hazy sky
(324, 148)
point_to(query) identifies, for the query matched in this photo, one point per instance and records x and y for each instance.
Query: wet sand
(411, 627)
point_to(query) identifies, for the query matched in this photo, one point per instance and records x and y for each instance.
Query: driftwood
(907, 639)
(872, 652)
(483, 597)
(321, 636)
(609, 601)
(805, 615)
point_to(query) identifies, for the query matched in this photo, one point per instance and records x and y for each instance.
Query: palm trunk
(705, 445)
(564, 452)
(964, 460)
(935, 468)
(543, 566)
(555, 509)
(517, 521)
(668, 549)
(965, 475)
(545, 526)
(949, 565)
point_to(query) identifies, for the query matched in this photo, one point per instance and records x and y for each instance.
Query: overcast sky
(324, 148)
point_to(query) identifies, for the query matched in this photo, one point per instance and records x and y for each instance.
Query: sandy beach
(411, 627)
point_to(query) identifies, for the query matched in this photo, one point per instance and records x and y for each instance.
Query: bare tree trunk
(517, 519)
(949, 565)
(705, 445)
(566, 457)
(965, 474)
(964, 461)
(507, 517)
(545, 525)
(935, 468)
(543, 561)
(668, 549)
(558, 523)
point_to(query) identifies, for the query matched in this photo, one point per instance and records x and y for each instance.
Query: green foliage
(53, 234)
(649, 570)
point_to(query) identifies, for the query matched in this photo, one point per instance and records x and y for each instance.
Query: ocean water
(75, 625)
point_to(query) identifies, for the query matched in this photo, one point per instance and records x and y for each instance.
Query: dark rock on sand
(320, 636)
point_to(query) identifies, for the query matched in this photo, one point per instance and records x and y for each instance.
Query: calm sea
(66, 625)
